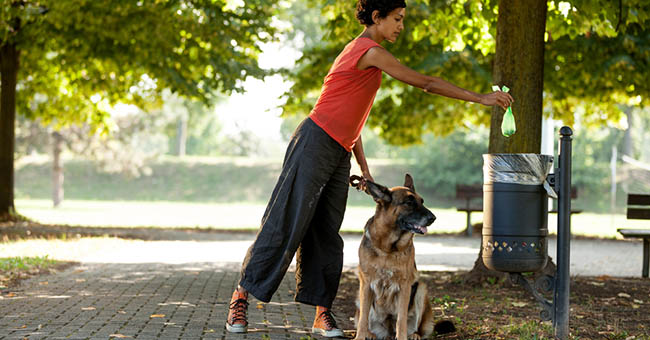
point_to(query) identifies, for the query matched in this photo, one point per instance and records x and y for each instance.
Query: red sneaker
(237, 321)
(324, 324)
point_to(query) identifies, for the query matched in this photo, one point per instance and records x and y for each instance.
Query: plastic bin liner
(517, 168)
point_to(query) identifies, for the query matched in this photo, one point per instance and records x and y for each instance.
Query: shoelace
(328, 318)
(239, 307)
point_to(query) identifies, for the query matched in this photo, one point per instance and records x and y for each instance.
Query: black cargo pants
(304, 215)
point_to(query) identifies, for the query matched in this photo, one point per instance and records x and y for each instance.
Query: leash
(358, 182)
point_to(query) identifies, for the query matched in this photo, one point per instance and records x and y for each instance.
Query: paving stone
(94, 301)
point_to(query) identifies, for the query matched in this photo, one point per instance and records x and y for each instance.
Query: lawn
(248, 216)
(228, 193)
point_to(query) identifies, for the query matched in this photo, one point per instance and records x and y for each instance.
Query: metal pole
(561, 298)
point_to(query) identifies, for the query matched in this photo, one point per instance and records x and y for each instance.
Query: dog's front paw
(415, 336)
(366, 336)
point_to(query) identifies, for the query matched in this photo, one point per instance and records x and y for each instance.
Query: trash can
(515, 211)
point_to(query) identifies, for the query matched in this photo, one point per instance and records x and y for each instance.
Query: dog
(392, 301)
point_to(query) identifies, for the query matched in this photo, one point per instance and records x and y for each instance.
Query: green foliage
(591, 174)
(597, 73)
(444, 162)
(167, 179)
(603, 17)
(596, 57)
(307, 25)
(401, 114)
(31, 137)
(78, 57)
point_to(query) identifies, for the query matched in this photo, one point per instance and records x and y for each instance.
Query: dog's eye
(410, 201)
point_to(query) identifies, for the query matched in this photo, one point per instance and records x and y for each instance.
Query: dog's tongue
(423, 229)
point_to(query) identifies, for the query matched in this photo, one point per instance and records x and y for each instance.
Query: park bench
(472, 197)
(472, 201)
(638, 208)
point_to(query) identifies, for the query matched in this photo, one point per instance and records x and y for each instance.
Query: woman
(306, 208)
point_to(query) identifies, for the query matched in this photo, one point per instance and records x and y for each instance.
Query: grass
(25, 263)
(248, 216)
(529, 330)
(189, 214)
(14, 269)
(170, 179)
(227, 193)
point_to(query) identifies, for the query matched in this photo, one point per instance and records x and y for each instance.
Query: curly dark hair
(366, 7)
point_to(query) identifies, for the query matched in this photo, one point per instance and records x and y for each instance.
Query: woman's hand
(500, 98)
(366, 175)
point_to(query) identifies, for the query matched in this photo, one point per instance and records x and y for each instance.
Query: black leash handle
(357, 182)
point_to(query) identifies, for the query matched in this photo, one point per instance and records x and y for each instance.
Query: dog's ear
(408, 182)
(378, 192)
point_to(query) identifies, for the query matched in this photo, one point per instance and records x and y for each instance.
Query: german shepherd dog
(392, 300)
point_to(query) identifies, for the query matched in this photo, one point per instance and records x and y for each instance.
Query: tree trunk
(181, 136)
(8, 76)
(518, 64)
(628, 140)
(57, 169)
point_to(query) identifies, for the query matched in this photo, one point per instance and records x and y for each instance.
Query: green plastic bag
(508, 127)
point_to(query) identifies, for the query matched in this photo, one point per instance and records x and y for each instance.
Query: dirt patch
(601, 308)
(24, 230)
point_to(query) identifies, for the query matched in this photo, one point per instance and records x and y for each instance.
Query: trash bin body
(515, 212)
(515, 226)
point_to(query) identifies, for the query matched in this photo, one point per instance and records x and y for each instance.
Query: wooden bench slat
(473, 191)
(469, 191)
(638, 199)
(470, 209)
(638, 214)
(478, 209)
(640, 233)
(576, 211)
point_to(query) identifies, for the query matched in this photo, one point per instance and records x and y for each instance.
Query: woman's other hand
(500, 98)
(366, 175)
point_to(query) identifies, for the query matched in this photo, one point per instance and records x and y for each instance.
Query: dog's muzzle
(416, 222)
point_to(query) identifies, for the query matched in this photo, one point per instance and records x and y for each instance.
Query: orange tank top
(347, 94)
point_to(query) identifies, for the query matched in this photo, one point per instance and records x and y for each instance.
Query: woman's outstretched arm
(382, 59)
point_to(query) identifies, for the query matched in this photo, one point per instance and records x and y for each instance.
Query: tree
(456, 41)
(68, 61)
(573, 53)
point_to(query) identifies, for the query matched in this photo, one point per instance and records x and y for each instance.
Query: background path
(589, 257)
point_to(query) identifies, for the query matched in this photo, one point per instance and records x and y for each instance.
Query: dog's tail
(444, 327)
